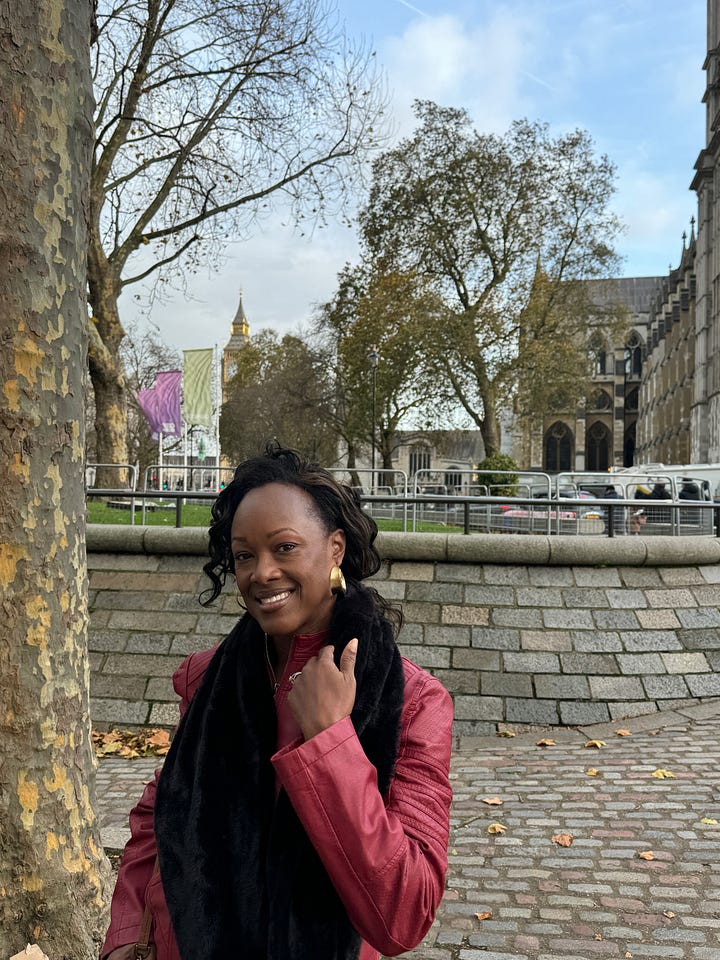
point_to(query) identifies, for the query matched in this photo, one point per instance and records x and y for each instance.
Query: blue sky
(628, 71)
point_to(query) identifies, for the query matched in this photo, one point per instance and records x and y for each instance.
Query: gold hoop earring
(337, 581)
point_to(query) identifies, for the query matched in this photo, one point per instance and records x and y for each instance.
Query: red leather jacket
(387, 856)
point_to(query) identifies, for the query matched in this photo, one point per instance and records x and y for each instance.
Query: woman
(302, 812)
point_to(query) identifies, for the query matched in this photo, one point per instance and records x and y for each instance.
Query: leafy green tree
(388, 315)
(205, 113)
(279, 392)
(475, 215)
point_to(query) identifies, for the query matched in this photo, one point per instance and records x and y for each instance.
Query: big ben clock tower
(239, 336)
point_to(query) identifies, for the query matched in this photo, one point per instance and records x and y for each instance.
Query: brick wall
(521, 630)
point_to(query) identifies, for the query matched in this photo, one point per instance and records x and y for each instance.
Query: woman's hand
(322, 694)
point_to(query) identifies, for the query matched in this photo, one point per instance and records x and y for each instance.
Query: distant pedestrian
(618, 513)
(659, 514)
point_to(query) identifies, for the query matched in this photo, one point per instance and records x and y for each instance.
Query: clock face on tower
(231, 369)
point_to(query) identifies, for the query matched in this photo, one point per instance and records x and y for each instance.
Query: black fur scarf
(240, 876)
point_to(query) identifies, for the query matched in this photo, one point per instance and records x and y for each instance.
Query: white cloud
(479, 67)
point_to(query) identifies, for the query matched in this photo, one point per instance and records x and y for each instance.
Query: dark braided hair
(336, 506)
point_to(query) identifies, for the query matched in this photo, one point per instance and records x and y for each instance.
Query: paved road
(593, 899)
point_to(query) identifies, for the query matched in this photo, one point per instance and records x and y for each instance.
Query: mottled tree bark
(52, 869)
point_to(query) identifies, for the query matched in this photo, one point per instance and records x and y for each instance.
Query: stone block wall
(531, 635)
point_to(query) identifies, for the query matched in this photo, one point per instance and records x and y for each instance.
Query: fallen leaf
(547, 742)
(623, 733)
(708, 820)
(505, 733)
(492, 801)
(132, 743)
(591, 772)
(160, 738)
(661, 774)
(454, 852)
(647, 855)
(496, 828)
(484, 916)
(595, 743)
(669, 914)
(598, 936)
(563, 839)
(628, 955)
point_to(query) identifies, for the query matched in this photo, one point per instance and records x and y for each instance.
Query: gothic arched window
(598, 357)
(597, 447)
(600, 400)
(633, 356)
(558, 447)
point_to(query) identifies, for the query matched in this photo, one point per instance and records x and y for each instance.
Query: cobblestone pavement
(596, 898)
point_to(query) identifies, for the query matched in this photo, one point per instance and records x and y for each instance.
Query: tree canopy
(480, 217)
(206, 111)
(374, 332)
(279, 392)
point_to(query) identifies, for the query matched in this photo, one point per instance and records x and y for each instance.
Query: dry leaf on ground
(496, 828)
(492, 801)
(131, 743)
(484, 916)
(669, 914)
(708, 820)
(563, 839)
(623, 733)
(592, 772)
(647, 855)
(594, 743)
(505, 733)
(661, 774)
(546, 742)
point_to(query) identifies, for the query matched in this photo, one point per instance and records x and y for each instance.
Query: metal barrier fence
(517, 515)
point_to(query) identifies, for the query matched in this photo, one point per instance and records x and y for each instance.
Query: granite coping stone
(479, 547)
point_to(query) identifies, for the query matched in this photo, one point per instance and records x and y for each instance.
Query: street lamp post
(374, 358)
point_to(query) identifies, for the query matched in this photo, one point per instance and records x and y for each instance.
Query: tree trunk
(351, 464)
(52, 869)
(106, 368)
(490, 426)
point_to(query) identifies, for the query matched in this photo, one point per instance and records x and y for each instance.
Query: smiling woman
(303, 809)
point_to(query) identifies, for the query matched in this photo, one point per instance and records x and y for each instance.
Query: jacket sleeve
(138, 859)
(387, 857)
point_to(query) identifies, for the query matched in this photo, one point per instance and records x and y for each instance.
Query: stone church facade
(655, 398)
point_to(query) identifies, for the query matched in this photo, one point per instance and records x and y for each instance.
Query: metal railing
(484, 514)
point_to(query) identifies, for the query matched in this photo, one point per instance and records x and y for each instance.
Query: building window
(633, 357)
(419, 459)
(558, 447)
(598, 357)
(629, 446)
(453, 479)
(631, 401)
(597, 447)
(601, 400)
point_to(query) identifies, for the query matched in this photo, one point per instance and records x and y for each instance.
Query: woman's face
(283, 557)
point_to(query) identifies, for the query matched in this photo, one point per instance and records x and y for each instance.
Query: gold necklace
(276, 683)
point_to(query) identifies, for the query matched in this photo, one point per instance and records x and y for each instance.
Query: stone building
(705, 415)
(601, 432)
(666, 396)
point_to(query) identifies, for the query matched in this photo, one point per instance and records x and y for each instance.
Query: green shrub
(498, 484)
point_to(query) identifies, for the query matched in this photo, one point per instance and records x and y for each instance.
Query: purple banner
(161, 404)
